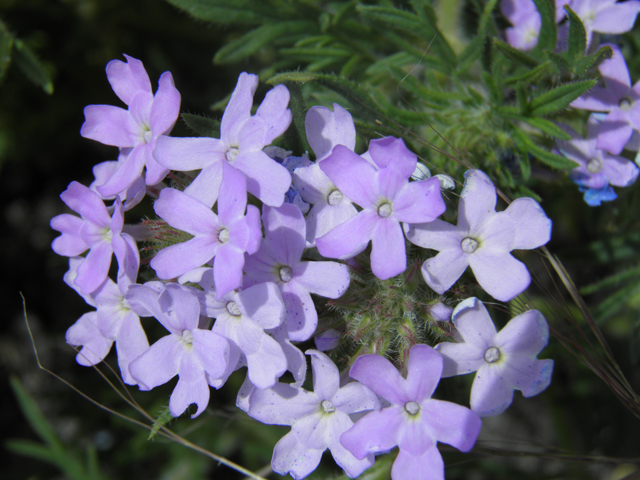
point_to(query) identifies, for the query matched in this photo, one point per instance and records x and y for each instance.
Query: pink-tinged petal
(274, 113)
(70, 243)
(353, 176)
(533, 227)
(285, 232)
(343, 457)
(452, 424)
(323, 218)
(128, 79)
(173, 261)
(491, 393)
(263, 303)
(166, 106)
(525, 335)
(392, 152)
(619, 171)
(233, 195)
(159, 364)
(184, 154)
(131, 342)
(419, 202)
(239, 107)
(185, 213)
(428, 466)
(128, 171)
(212, 351)
(616, 19)
(477, 201)
(110, 125)
(415, 436)
(496, 234)
(473, 322)
(349, 238)
(326, 377)
(615, 132)
(443, 270)
(424, 369)
(379, 374)
(460, 358)
(192, 387)
(85, 332)
(293, 457)
(437, 235)
(227, 269)
(355, 397)
(266, 178)
(375, 432)
(388, 252)
(302, 318)
(327, 279)
(326, 129)
(282, 404)
(499, 274)
(87, 203)
(95, 268)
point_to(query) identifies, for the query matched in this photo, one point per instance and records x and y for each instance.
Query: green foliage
(202, 126)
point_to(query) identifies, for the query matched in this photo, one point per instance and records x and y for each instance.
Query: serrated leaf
(27, 61)
(203, 126)
(577, 35)
(295, 136)
(254, 40)
(559, 98)
(548, 30)
(551, 159)
(474, 48)
(230, 12)
(514, 54)
(532, 75)
(495, 92)
(560, 62)
(547, 127)
(583, 65)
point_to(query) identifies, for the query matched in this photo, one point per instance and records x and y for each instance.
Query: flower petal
(391, 151)
(533, 227)
(477, 201)
(379, 374)
(353, 176)
(428, 466)
(282, 404)
(326, 377)
(293, 457)
(388, 252)
(419, 202)
(128, 79)
(443, 270)
(239, 107)
(110, 125)
(326, 129)
(192, 387)
(499, 274)
(374, 433)
(524, 335)
(452, 424)
(437, 235)
(166, 106)
(349, 238)
(424, 369)
(327, 279)
(85, 332)
(159, 364)
(266, 178)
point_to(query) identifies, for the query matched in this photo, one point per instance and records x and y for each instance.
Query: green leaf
(202, 126)
(162, 420)
(547, 127)
(577, 35)
(523, 100)
(228, 12)
(551, 159)
(31, 449)
(27, 61)
(254, 40)
(495, 91)
(532, 75)
(295, 136)
(6, 44)
(559, 98)
(525, 192)
(418, 88)
(560, 62)
(514, 54)
(583, 65)
(548, 31)
(474, 48)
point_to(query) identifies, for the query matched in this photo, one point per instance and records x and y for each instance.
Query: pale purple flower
(606, 16)
(242, 138)
(597, 168)
(440, 312)
(327, 340)
(505, 361)
(279, 260)
(619, 99)
(414, 421)
(96, 231)
(138, 128)
(85, 332)
(132, 195)
(317, 419)
(526, 21)
(197, 356)
(225, 237)
(386, 197)
(325, 129)
(482, 240)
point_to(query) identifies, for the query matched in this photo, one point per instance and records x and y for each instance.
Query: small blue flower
(595, 196)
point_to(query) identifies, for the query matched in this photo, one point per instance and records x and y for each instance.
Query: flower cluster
(238, 285)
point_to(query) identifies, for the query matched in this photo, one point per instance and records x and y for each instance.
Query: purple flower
(386, 197)
(197, 356)
(616, 97)
(606, 16)
(131, 196)
(317, 419)
(526, 21)
(147, 118)
(597, 168)
(242, 138)
(85, 332)
(226, 236)
(96, 231)
(414, 421)
(279, 261)
(504, 361)
(482, 240)
(325, 129)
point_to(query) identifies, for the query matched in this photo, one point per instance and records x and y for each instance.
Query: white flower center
(469, 245)
(384, 210)
(328, 407)
(148, 136)
(625, 104)
(187, 339)
(412, 408)
(285, 273)
(334, 198)
(232, 153)
(492, 355)
(594, 165)
(107, 234)
(223, 235)
(232, 308)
